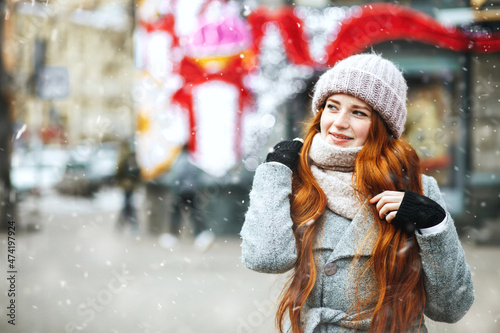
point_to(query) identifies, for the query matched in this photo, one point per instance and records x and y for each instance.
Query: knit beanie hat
(371, 78)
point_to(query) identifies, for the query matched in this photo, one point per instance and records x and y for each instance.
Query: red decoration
(385, 22)
(292, 32)
(377, 23)
(194, 75)
(374, 23)
(165, 23)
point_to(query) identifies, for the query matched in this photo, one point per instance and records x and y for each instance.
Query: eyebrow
(355, 106)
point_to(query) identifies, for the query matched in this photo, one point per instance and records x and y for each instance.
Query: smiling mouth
(340, 136)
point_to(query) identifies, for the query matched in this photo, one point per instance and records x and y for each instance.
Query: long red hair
(384, 163)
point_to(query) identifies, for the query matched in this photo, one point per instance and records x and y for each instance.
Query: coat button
(330, 268)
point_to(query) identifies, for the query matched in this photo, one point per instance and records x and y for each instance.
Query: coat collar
(360, 232)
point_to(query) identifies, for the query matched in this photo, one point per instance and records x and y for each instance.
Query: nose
(342, 120)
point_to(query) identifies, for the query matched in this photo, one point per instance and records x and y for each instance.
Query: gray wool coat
(268, 246)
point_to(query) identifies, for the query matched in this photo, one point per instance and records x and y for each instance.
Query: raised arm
(268, 241)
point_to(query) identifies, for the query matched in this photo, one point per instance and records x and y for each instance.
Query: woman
(366, 234)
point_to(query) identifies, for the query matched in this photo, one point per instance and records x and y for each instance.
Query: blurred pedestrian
(127, 176)
(367, 235)
(187, 198)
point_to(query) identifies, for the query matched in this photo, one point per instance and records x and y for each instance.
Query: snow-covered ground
(109, 199)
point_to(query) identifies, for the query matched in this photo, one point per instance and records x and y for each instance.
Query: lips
(341, 136)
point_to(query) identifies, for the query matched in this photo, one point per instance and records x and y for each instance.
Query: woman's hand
(287, 153)
(408, 210)
(388, 203)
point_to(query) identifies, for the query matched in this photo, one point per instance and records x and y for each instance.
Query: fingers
(386, 194)
(387, 209)
(387, 204)
(387, 197)
(376, 198)
(391, 216)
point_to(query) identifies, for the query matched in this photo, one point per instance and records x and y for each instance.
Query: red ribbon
(377, 23)
(195, 75)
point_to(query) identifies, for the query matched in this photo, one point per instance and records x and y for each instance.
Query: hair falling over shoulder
(308, 202)
(384, 163)
(389, 164)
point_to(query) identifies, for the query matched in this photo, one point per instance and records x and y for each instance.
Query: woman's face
(345, 121)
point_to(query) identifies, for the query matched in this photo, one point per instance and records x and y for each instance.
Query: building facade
(92, 43)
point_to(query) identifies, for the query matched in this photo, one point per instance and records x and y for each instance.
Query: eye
(331, 106)
(360, 113)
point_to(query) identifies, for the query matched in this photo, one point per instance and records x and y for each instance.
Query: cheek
(363, 130)
(322, 125)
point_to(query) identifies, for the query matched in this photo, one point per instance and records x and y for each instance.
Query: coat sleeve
(268, 244)
(447, 277)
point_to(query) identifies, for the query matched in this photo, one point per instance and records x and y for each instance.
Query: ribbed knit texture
(286, 152)
(332, 167)
(328, 156)
(418, 211)
(371, 78)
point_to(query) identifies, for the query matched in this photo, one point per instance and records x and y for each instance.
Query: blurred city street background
(130, 132)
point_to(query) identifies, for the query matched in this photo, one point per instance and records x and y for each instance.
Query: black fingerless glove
(418, 212)
(287, 153)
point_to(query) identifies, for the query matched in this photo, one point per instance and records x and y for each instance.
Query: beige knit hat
(371, 78)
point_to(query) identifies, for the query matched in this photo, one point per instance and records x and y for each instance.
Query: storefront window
(432, 126)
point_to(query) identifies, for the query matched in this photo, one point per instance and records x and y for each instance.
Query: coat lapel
(356, 235)
(357, 232)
